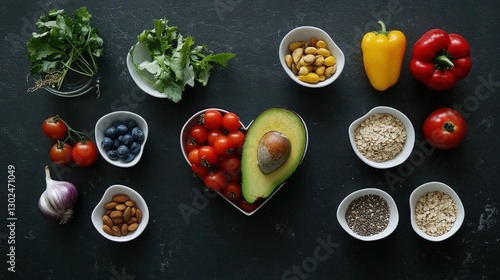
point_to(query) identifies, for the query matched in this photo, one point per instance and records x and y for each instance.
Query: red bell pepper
(440, 59)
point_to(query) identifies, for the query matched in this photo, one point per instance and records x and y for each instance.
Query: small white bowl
(393, 209)
(432, 187)
(305, 33)
(184, 137)
(99, 211)
(407, 148)
(140, 54)
(106, 121)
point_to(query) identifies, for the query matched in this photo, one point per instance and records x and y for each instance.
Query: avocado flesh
(254, 183)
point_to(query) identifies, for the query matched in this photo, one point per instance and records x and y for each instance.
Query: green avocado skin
(256, 185)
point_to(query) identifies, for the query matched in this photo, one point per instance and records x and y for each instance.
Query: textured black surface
(288, 237)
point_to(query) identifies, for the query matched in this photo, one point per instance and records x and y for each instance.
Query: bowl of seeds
(382, 138)
(436, 211)
(368, 214)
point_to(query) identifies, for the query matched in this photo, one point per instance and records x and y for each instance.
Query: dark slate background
(296, 234)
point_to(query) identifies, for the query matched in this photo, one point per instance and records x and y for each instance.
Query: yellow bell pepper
(383, 53)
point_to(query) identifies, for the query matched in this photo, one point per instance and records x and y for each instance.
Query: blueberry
(137, 134)
(116, 143)
(115, 124)
(135, 148)
(130, 124)
(122, 129)
(110, 132)
(112, 154)
(120, 137)
(129, 158)
(107, 143)
(127, 139)
(123, 151)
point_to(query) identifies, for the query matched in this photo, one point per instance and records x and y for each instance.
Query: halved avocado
(255, 184)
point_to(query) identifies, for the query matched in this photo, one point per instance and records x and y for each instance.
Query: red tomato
(246, 206)
(222, 145)
(232, 191)
(237, 137)
(199, 133)
(212, 119)
(200, 170)
(191, 145)
(60, 153)
(231, 122)
(208, 155)
(84, 153)
(216, 180)
(212, 135)
(231, 164)
(54, 128)
(445, 128)
(194, 157)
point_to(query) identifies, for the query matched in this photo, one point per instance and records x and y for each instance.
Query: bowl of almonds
(310, 57)
(382, 138)
(436, 211)
(121, 215)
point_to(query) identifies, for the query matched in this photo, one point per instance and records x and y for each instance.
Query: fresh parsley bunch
(176, 62)
(63, 44)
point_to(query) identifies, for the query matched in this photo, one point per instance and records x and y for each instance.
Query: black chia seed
(368, 215)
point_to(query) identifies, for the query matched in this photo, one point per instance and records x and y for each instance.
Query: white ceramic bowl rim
(109, 118)
(407, 148)
(393, 219)
(430, 187)
(305, 33)
(99, 210)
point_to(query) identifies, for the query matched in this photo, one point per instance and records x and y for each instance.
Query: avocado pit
(273, 150)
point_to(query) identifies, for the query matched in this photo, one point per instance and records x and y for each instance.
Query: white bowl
(407, 148)
(184, 137)
(432, 187)
(140, 54)
(106, 121)
(393, 219)
(305, 33)
(99, 211)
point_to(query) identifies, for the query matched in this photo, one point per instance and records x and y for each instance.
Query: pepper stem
(383, 29)
(443, 61)
(448, 126)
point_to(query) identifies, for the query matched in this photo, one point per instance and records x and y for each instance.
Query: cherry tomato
(199, 133)
(237, 137)
(54, 128)
(231, 164)
(246, 206)
(194, 157)
(216, 180)
(222, 145)
(200, 170)
(232, 191)
(212, 119)
(191, 145)
(212, 135)
(60, 153)
(84, 153)
(208, 155)
(445, 128)
(231, 122)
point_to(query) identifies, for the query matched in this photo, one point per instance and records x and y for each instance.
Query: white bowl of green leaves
(164, 69)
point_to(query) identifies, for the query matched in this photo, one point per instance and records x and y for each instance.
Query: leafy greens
(176, 61)
(63, 44)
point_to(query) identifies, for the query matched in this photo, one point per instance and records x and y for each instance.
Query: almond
(131, 221)
(133, 226)
(116, 214)
(107, 221)
(110, 205)
(130, 203)
(117, 221)
(127, 214)
(107, 229)
(120, 198)
(120, 207)
(116, 231)
(124, 229)
(138, 215)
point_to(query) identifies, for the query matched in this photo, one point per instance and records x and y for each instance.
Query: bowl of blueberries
(120, 137)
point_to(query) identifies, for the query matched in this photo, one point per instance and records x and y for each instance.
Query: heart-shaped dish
(185, 136)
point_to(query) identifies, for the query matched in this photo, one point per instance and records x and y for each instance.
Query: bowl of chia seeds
(368, 214)
(382, 138)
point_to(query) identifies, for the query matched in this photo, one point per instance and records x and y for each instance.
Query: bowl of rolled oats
(436, 211)
(382, 138)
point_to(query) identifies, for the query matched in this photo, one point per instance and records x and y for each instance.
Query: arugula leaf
(176, 60)
(63, 44)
